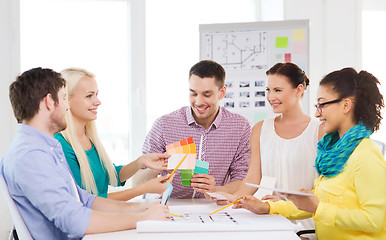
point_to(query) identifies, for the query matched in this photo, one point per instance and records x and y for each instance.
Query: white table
(134, 235)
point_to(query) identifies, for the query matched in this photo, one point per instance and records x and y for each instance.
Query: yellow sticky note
(281, 42)
(298, 35)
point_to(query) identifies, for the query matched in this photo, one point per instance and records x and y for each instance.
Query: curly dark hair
(363, 86)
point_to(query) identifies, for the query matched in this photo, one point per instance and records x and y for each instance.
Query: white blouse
(290, 161)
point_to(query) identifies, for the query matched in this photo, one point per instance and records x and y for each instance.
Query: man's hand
(203, 183)
(155, 161)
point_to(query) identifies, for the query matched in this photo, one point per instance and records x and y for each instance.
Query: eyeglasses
(319, 106)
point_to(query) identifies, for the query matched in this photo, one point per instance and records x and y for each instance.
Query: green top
(101, 177)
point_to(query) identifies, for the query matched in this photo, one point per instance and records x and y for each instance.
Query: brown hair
(209, 68)
(294, 74)
(30, 88)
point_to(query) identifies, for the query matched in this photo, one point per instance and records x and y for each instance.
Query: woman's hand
(156, 185)
(304, 203)
(271, 198)
(253, 204)
(156, 161)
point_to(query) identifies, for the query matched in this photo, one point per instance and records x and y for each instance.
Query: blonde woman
(90, 164)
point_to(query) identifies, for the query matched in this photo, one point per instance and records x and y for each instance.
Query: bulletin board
(247, 51)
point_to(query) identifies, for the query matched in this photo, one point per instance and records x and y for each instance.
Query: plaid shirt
(225, 145)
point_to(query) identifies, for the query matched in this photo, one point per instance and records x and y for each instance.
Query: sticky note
(287, 57)
(186, 176)
(298, 35)
(299, 47)
(201, 167)
(281, 42)
(260, 116)
(279, 57)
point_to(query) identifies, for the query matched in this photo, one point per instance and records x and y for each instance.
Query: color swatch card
(188, 163)
(166, 194)
(201, 167)
(186, 176)
(178, 150)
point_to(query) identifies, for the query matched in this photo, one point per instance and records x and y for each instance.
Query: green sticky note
(186, 176)
(281, 42)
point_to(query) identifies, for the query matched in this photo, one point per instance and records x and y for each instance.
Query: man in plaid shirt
(221, 137)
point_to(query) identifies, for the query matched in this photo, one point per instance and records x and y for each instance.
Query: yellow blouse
(352, 204)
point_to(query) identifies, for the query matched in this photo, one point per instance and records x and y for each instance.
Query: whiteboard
(247, 51)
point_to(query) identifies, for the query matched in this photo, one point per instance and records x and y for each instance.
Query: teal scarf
(333, 152)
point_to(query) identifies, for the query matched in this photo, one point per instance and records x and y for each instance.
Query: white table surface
(134, 235)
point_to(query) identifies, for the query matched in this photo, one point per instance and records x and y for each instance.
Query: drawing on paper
(238, 50)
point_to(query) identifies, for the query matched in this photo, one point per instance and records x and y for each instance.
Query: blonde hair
(72, 77)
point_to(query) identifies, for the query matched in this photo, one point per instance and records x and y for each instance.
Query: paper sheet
(281, 190)
(196, 219)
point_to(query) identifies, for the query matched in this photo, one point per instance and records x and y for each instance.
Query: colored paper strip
(287, 57)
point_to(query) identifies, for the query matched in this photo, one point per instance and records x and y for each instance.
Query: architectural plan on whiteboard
(247, 51)
(238, 50)
(196, 219)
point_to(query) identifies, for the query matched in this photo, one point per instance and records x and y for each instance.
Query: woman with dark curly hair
(350, 193)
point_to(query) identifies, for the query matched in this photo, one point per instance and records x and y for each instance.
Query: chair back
(381, 146)
(21, 228)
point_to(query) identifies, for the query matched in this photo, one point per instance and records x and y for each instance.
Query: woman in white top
(284, 147)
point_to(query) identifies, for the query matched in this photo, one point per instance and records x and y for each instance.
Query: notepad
(281, 190)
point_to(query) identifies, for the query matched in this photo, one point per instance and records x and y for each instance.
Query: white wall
(9, 69)
(335, 35)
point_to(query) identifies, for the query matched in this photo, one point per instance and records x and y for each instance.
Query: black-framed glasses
(319, 106)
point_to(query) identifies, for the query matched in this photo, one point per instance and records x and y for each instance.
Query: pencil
(171, 174)
(226, 206)
(176, 215)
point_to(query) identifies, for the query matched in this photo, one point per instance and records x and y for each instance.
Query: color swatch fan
(190, 165)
